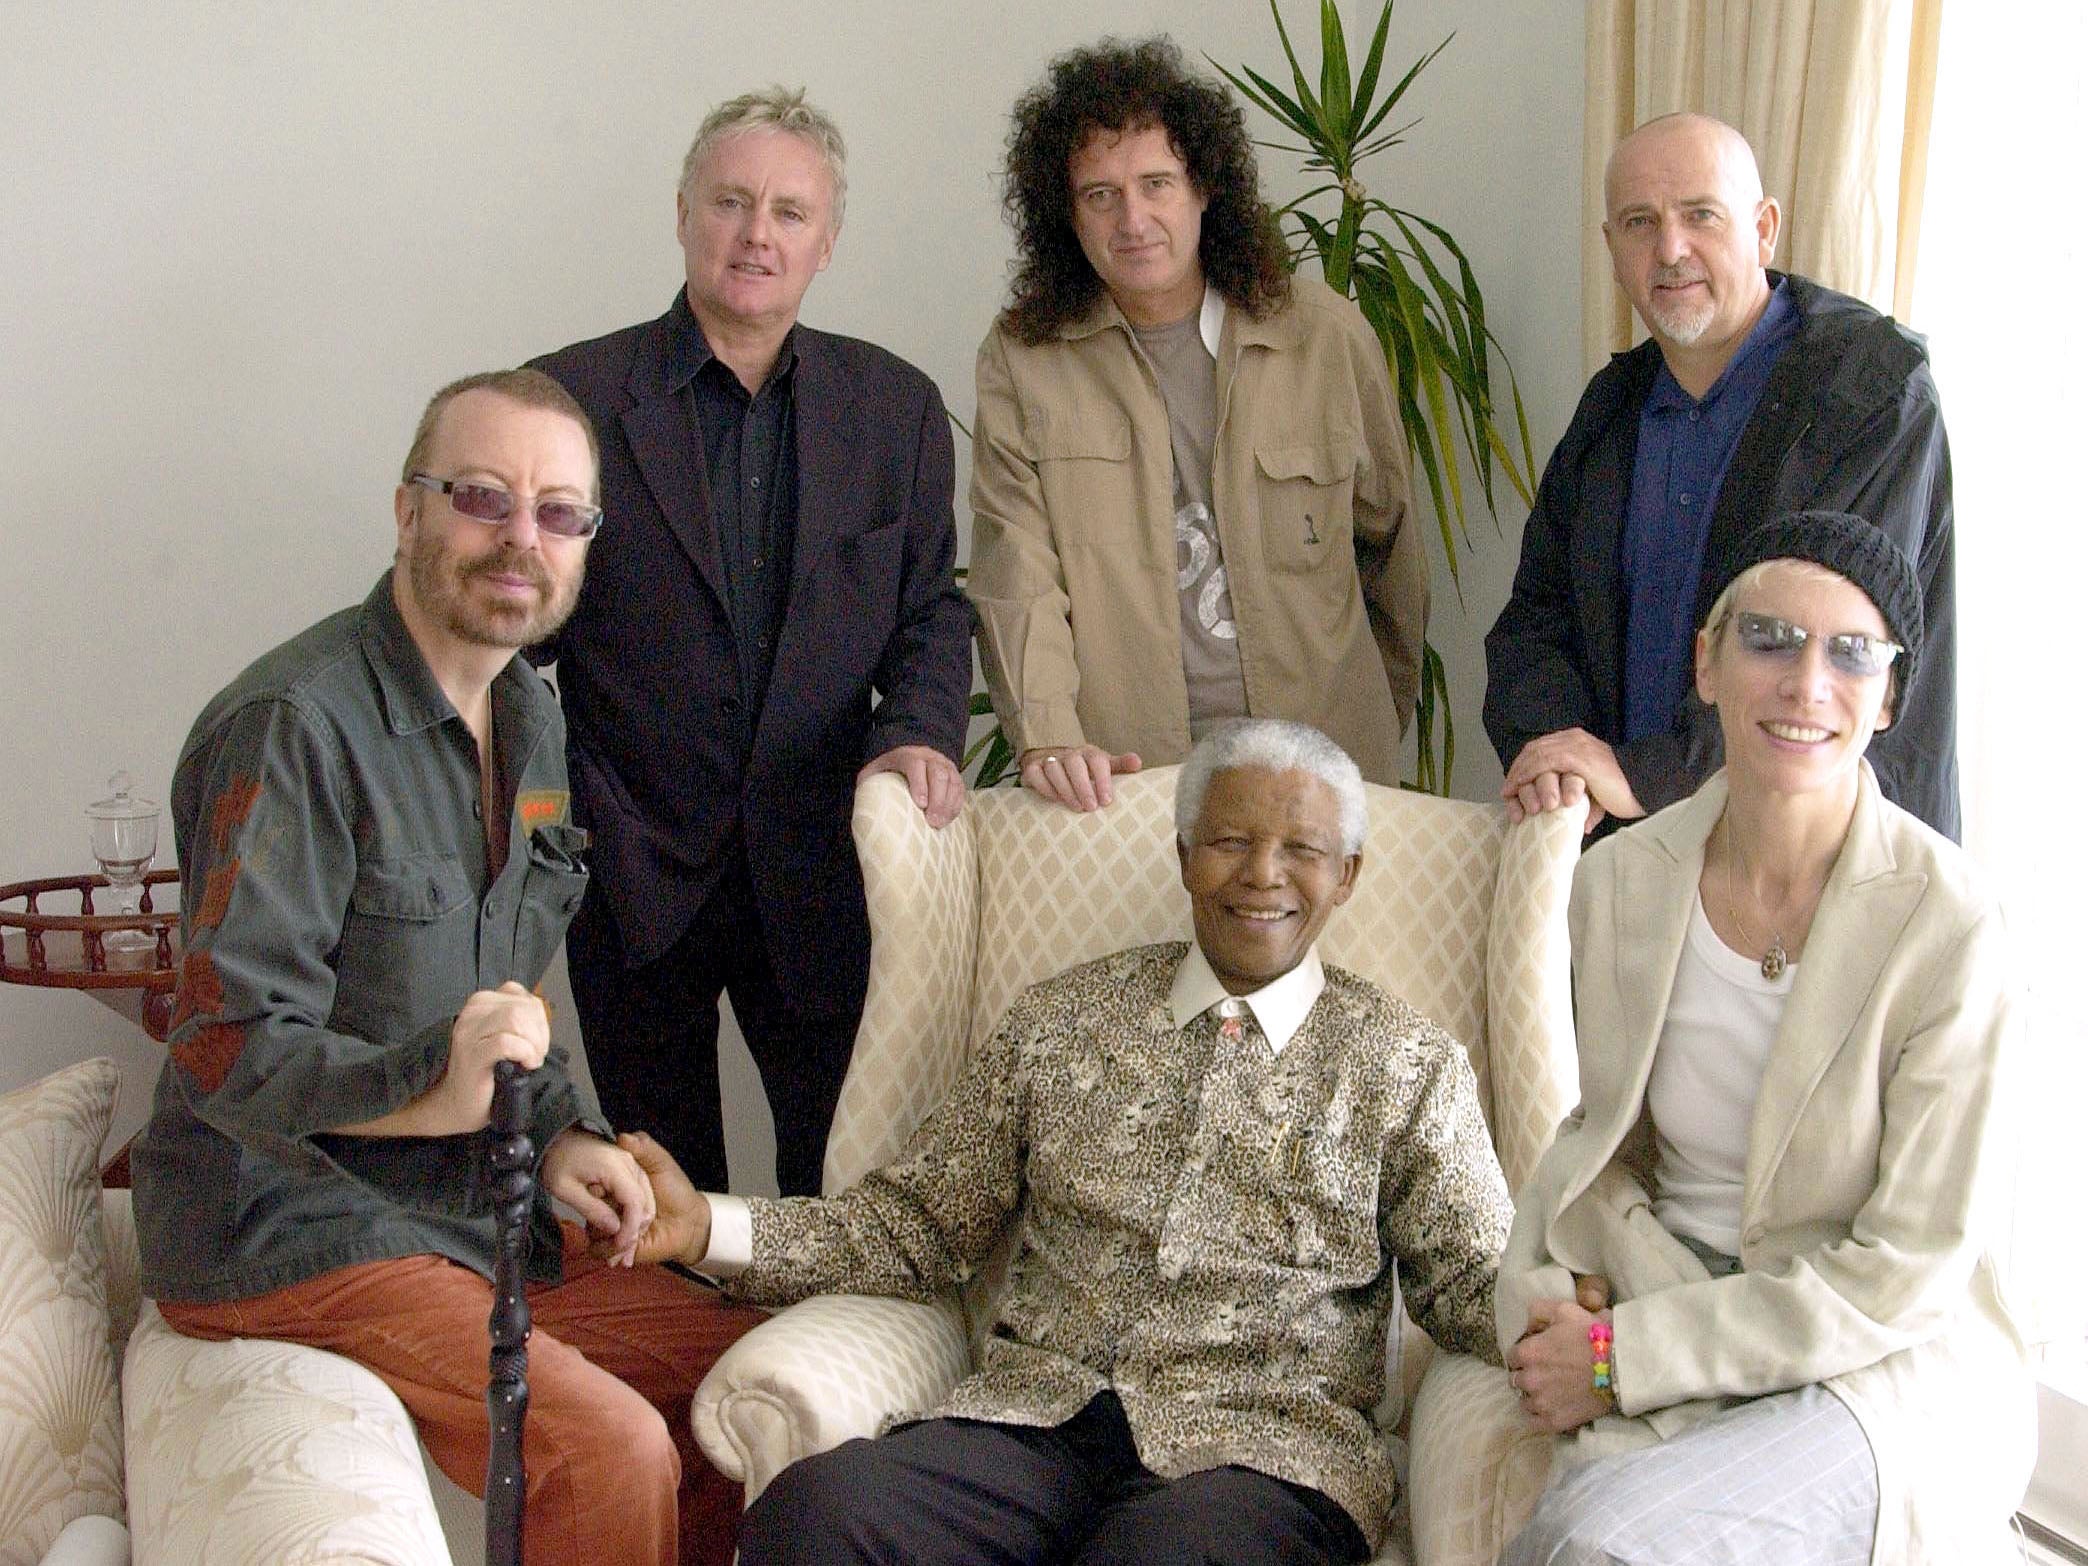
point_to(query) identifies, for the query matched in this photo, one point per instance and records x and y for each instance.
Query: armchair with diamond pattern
(1456, 911)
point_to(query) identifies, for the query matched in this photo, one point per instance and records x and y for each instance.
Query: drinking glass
(123, 831)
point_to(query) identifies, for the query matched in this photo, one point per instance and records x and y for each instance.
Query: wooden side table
(69, 951)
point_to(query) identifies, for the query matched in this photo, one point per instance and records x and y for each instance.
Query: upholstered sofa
(1456, 911)
(218, 1454)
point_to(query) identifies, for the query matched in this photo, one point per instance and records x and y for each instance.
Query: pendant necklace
(1775, 959)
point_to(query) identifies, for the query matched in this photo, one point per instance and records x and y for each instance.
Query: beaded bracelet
(1599, 1340)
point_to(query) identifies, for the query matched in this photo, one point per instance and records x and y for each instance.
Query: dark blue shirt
(1684, 448)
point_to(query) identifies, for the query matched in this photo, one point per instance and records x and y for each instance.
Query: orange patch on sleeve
(200, 988)
(208, 1054)
(233, 807)
(217, 896)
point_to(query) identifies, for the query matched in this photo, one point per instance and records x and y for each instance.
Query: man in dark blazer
(770, 615)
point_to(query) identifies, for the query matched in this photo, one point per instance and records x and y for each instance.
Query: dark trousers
(652, 1036)
(958, 1492)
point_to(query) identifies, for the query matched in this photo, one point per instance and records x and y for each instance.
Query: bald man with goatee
(1758, 392)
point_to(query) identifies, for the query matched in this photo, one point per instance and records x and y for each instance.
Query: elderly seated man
(1213, 1155)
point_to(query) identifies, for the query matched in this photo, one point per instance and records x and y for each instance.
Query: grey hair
(772, 108)
(1274, 745)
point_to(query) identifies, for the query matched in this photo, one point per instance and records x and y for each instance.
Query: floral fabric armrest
(250, 1453)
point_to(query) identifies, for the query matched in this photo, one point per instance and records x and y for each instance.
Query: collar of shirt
(415, 701)
(1280, 1007)
(1210, 322)
(1748, 369)
(691, 351)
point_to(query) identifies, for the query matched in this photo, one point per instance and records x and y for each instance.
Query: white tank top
(1707, 1073)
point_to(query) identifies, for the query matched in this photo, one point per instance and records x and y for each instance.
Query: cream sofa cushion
(61, 1429)
(252, 1452)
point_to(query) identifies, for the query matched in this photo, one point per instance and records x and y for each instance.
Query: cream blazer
(1871, 1184)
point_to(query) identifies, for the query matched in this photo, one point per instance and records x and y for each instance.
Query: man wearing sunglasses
(771, 615)
(1759, 393)
(378, 864)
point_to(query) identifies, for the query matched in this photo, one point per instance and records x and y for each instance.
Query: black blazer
(669, 771)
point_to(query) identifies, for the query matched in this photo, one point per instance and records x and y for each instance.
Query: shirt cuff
(731, 1238)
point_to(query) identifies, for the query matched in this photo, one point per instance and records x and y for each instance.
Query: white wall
(242, 243)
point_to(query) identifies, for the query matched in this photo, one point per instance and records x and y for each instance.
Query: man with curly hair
(1189, 480)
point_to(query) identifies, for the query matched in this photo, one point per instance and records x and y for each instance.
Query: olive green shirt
(337, 910)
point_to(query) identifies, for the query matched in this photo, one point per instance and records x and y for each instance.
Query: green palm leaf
(1416, 288)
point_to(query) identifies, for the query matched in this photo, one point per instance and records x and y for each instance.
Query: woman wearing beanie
(1794, 1021)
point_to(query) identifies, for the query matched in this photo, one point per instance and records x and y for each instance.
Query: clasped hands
(1552, 1366)
(636, 1202)
(1563, 768)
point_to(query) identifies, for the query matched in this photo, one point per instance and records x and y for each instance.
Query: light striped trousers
(1784, 1480)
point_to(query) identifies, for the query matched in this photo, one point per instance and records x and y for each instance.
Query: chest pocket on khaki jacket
(1307, 496)
(1084, 467)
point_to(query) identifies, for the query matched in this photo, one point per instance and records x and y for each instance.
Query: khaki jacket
(1073, 541)
(1873, 1168)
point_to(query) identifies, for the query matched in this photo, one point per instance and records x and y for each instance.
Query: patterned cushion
(254, 1453)
(120, 1230)
(922, 890)
(823, 1372)
(61, 1452)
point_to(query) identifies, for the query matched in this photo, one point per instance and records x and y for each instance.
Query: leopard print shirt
(1203, 1226)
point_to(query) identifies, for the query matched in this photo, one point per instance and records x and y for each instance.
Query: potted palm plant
(1415, 287)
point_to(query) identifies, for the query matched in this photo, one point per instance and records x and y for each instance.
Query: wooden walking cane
(513, 1160)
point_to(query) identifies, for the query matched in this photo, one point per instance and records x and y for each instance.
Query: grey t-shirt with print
(1188, 377)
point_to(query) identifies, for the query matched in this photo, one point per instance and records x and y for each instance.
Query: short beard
(1680, 324)
(440, 586)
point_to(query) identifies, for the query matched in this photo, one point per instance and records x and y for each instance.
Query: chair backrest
(1456, 912)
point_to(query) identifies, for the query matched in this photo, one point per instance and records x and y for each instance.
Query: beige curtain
(1834, 95)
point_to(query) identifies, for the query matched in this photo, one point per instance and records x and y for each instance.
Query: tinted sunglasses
(1853, 653)
(492, 505)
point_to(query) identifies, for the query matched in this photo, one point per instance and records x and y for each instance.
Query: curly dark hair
(1119, 86)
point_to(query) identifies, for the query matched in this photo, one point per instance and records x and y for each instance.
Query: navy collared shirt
(750, 463)
(1684, 448)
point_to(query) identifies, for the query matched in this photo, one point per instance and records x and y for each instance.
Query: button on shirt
(1684, 448)
(750, 463)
